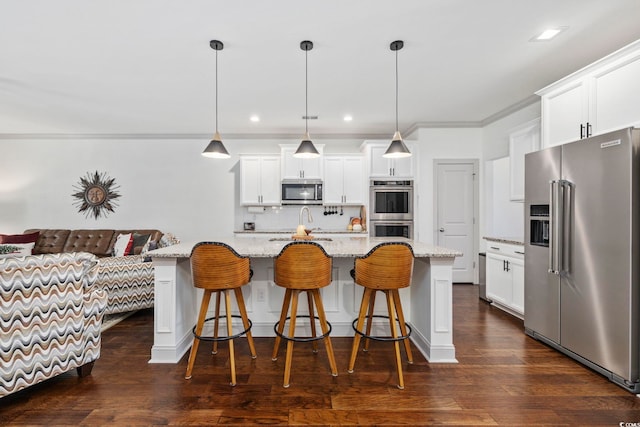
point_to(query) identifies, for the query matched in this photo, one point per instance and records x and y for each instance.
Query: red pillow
(19, 238)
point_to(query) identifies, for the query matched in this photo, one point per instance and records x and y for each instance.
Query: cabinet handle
(507, 266)
(518, 252)
(390, 173)
(581, 131)
(588, 129)
(494, 247)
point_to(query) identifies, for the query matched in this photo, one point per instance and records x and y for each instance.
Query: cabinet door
(498, 280)
(312, 168)
(353, 181)
(563, 111)
(270, 180)
(402, 168)
(521, 142)
(380, 166)
(615, 96)
(333, 182)
(517, 291)
(250, 180)
(291, 167)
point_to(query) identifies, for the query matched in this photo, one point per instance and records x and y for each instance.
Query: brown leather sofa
(128, 280)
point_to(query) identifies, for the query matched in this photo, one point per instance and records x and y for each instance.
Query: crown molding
(187, 136)
(510, 110)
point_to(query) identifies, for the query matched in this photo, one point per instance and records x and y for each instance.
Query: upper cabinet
(521, 141)
(295, 168)
(259, 180)
(382, 167)
(344, 180)
(597, 99)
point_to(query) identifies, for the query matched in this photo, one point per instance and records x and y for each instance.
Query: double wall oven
(391, 208)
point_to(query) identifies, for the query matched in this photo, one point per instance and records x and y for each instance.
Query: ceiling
(144, 67)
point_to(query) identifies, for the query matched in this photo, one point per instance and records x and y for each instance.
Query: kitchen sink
(289, 239)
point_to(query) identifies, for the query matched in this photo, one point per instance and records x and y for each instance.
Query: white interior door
(455, 214)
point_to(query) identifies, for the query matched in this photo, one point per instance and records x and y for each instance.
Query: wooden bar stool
(302, 267)
(217, 268)
(386, 268)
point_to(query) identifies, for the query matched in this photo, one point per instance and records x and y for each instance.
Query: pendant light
(306, 149)
(397, 148)
(216, 148)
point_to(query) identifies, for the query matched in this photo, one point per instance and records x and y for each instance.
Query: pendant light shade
(397, 148)
(216, 148)
(306, 149)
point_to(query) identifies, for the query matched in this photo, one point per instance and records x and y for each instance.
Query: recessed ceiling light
(548, 34)
(348, 118)
(254, 118)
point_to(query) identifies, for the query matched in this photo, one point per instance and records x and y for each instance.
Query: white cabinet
(296, 168)
(505, 276)
(384, 167)
(259, 180)
(594, 100)
(522, 141)
(344, 180)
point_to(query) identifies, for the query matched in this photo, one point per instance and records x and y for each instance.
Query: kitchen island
(427, 302)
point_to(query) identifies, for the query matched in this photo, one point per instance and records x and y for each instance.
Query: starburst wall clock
(96, 195)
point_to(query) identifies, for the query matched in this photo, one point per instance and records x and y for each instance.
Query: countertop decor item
(397, 148)
(96, 194)
(216, 148)
(306, 149)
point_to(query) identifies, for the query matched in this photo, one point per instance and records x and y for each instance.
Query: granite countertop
(510, 240)
(293, 231)
(341, 247)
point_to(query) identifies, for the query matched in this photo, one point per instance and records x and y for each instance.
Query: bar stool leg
(372, 305)
(394, 334)
(216, 322)
(356, 338)
(403, 325)
(292, 333)
(204, 306)
(283, 317)
(232, 358)
(325, 330)
(245, 321)
(312, 320)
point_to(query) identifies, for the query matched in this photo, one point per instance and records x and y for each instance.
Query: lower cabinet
(505, 277)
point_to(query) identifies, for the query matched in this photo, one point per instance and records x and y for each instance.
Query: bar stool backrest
(216, 265)
(386, 266)
(303, 265)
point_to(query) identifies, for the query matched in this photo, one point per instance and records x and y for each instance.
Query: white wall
(164, 184)
(439, 143)
(501, 217)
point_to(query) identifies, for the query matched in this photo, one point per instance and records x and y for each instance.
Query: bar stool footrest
(380, 338)
(302, 339)
(222, 338)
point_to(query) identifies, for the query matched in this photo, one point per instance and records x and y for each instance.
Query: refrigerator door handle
(555, 226)
(565, 245)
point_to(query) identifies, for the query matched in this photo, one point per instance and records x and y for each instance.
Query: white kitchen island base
(427, 302)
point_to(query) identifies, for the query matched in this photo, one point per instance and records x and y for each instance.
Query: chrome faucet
(309, 217)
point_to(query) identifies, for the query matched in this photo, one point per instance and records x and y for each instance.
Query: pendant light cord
(306, 92)
(396, 90)
(216, 91)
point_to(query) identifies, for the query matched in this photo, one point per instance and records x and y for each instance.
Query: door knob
(441, 230)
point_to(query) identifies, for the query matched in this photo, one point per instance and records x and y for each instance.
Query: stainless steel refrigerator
(582, 252)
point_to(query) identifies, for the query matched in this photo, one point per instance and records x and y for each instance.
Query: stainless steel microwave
(302, 192)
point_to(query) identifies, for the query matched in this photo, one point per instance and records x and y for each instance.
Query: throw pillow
(123, 245)
(19, 238)
(168, 239)
(139, 241)
(16, 249)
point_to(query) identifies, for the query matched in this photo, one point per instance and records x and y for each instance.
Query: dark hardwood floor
(503, 378)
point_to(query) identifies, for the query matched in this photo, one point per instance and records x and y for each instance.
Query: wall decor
(96, 194)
